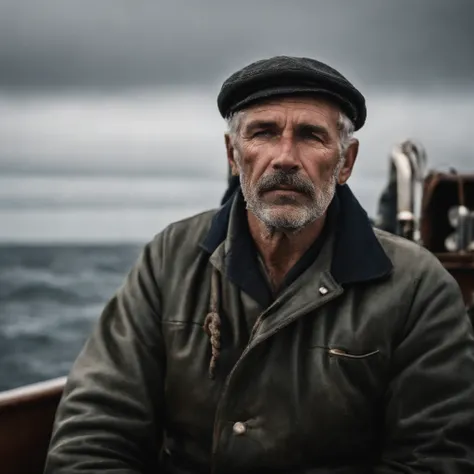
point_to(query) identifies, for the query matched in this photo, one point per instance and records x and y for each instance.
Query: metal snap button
(239, 428)
(323, 290)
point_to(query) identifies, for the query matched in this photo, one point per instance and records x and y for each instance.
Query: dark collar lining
(218, 230)
(241, 262)
(358, 255)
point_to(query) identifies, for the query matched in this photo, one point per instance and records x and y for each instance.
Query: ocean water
(50, 296)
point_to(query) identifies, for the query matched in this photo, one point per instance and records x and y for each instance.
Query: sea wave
(50, 297)
(44, 291)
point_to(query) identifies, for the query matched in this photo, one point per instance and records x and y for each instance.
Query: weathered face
(289, 159)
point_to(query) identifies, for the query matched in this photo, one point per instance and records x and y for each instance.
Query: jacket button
(239, 428)
(323, 290)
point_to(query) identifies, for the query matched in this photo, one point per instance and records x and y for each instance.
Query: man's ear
(230, 149)
(349, 162)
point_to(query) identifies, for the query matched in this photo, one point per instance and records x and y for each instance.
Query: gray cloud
(47, 44)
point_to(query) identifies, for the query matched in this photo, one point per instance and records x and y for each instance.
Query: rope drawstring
(212, 323)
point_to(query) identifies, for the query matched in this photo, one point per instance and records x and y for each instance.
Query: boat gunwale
(32, 393)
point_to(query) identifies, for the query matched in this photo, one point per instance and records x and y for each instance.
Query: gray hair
(344, 125)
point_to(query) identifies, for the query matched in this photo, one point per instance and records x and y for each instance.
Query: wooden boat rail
(26, 422)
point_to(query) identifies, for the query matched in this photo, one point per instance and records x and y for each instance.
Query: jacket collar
(357, 256)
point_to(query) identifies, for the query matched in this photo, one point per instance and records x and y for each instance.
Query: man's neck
(280, 250)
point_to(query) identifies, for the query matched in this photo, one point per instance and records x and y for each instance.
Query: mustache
(281, 178)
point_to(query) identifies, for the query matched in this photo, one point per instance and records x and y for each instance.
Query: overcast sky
(116, 43)
(122, 85)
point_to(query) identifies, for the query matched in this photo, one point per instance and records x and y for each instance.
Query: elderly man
(280, 334)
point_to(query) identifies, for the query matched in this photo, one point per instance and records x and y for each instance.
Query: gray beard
(300, 215)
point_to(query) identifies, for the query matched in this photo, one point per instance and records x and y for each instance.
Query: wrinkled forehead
(310, 110)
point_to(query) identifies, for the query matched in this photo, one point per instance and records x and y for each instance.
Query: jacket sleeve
(109, 418)
(429, 411)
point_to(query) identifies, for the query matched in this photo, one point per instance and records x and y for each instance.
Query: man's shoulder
(194, 227)
(408, 256)
(182, 237)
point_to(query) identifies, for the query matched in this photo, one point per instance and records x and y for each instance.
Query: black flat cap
(287, 76)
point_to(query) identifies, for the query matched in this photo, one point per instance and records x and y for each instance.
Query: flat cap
(287, 76)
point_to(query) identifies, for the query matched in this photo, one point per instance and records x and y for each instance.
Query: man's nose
(287, 160)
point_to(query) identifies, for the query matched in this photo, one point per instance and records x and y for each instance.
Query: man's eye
(263, 133)
(311, 136)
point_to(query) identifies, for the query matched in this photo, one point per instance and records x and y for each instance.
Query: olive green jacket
(364, 364)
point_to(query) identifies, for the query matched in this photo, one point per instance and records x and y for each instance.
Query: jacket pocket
(340, 352)
(336, 352)
(359, 373)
